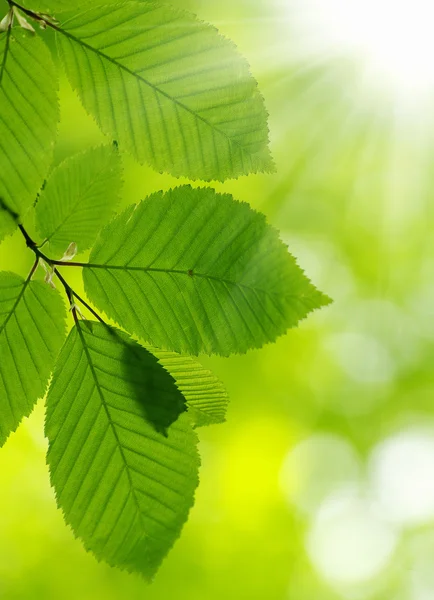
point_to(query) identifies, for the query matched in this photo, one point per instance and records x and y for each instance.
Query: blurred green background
(320, 485)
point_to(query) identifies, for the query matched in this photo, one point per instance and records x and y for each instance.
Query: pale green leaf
(5, 19)
(79, 197)
(28, 120)
(194, 271)
(169, 88)
(122, 454)
(206, 397)
(32, 330)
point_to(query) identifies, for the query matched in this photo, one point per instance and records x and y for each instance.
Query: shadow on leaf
(153, 387)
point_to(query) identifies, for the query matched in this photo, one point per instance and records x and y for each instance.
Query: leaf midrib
(5, 56)
(15, 306)
(111, 423)
(77, 202)
(152, 86)
(185, 273)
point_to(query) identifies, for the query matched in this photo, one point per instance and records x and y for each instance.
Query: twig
(71, 294)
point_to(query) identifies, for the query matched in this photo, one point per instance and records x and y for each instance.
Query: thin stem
(71, 294)
(30, 243)
(35, 248)
(35, 266)
(6, 50)
(40, 17)
(74, 294)
(89, 308)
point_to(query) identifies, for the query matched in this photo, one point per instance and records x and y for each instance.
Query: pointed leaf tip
(122, 453)
(171, 90)
(194, 271)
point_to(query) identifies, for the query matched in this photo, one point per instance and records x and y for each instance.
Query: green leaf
(194, 271)
(28, 120)
(56, 7)
(169, 88)
(8, 222)
(79, 197)
(206, 397)
(51, 6)
(32, 330)
(124, 485)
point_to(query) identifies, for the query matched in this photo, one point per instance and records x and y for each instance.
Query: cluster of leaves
(185, 272)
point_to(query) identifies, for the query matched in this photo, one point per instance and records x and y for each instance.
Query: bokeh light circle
(402, 477)
(348, 543)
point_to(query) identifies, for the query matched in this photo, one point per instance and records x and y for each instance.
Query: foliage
(186, 272)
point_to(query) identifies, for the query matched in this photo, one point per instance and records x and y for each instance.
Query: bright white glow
(348, 543)
(392, 39)
(402, 477)
(315, 467)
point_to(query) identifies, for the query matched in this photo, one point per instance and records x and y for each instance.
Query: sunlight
(391, 40)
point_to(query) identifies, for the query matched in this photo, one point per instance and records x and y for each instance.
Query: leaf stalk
(70, 292)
